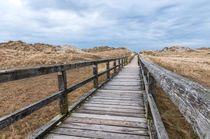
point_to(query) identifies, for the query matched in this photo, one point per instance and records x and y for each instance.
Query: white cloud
(150, 23)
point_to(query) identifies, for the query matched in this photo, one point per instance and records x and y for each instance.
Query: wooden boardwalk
(115, 111)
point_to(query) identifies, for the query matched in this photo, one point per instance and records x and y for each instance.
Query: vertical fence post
(119, 64)
(152, 85)
(122, 62)
(107, 67)
(95, 72)
(62, 85)
(115, 70)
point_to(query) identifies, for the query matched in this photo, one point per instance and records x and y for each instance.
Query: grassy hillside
(17, 94)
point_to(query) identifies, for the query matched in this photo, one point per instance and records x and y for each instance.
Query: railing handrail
(21, 73)
(159, 126)
(16, 74)
(192, 99)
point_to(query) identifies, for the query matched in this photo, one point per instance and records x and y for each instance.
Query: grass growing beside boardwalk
(176, 125)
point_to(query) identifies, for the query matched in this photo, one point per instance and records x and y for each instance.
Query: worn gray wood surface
(192, 99)
(115, 111)
(158, 123)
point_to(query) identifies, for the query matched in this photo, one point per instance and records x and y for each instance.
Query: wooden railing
(17, 74)
(150, 105)
(192, 99)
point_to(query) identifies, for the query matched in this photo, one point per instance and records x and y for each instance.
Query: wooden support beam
(95, 73)
(107, 68)
(62, 86)
(119, 64)
(152, 85)
(115, 70)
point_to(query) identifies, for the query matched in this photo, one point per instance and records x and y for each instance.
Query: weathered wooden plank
(95, 134)
(119, 95)
(127, 77)
(117, 87)
(105, 122)
(192, 99)
(16, 74)
(113, 106)
(117, 98)
(106, 128)
(159, 126)
(112, 92)
(124, 83)
(116, 103)
(113, 109)
(60, 136)
(112, 101)
(120, 91)
(128, 74)
(108, 117)
(115, 113)
(127, 80)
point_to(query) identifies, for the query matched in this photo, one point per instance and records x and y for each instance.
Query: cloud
(138, 24)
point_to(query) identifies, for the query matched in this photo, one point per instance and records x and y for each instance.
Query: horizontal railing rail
(149, 100)
(16, 74)
(192, 99)
(62, 94)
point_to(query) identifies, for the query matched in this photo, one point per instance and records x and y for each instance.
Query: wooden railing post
(107, 67)
(152, 85)
(122, 62)
(62, 85)
(119, 64)
(115, 70)
(95, 72)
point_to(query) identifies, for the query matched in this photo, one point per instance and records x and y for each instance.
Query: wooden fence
(192, 99)
(17, 74)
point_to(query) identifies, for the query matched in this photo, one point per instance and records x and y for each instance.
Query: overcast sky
(136, 24)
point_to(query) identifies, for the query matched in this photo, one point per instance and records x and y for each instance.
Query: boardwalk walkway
(115, 111)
